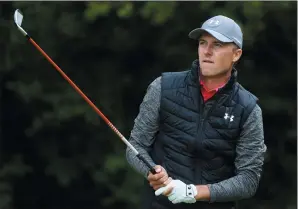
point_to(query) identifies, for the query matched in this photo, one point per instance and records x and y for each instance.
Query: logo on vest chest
(227, 116)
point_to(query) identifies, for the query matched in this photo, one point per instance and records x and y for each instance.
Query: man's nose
(207, 50)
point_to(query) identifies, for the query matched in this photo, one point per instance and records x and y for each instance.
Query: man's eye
(201, 42)
(218, 44)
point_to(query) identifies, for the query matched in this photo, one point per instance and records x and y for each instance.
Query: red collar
(207, 94)
(216, 89)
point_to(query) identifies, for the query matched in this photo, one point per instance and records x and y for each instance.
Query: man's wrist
(203, 193)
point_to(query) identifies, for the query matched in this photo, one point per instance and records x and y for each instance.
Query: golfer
(200, 129)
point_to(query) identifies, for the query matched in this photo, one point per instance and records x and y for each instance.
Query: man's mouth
(208, 61)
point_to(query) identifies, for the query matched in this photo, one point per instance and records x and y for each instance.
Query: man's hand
(160, 179)
(180, 192)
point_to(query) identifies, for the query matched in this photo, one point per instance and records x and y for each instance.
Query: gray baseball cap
(222, 28)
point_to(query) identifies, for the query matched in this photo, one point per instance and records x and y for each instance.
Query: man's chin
(206, 72)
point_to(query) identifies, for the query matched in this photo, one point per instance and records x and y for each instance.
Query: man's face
(216, 58)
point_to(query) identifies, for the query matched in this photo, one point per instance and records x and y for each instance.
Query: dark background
(56, 153)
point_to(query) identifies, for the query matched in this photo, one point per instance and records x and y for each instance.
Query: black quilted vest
(196, 141)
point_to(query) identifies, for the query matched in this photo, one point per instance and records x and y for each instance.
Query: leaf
(95, 9)
(205, 5)
(26, 91)
(6, 201)
(63, 169)
(6, 187)
(68, 24)
(158, 12)
(15, 168)
(114, 163)
(125, 10)
(253, 10)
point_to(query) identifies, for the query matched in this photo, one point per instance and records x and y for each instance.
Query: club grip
(152, 170)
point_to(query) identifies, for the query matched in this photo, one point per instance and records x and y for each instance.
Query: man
(200, 129)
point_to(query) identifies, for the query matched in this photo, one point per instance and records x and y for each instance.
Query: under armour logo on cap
(213, 22)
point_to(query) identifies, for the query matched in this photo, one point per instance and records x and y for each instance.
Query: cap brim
(196, 33)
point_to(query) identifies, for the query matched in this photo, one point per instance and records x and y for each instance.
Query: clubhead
(18, 17)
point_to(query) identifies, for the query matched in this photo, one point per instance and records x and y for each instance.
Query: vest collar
(195, 69)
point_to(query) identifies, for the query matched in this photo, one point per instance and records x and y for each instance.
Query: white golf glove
(181, 192)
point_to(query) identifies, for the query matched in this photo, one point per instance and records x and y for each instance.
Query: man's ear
(237, 55)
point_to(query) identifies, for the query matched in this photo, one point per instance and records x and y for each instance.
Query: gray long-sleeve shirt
(250, 148)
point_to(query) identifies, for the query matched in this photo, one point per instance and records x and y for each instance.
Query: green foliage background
(56, 153)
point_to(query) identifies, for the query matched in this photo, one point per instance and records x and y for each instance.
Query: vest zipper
(202, 121)
(211, 109)
(199, 141)
(216, 99)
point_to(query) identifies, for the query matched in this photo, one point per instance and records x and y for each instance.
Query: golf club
(18, 18)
